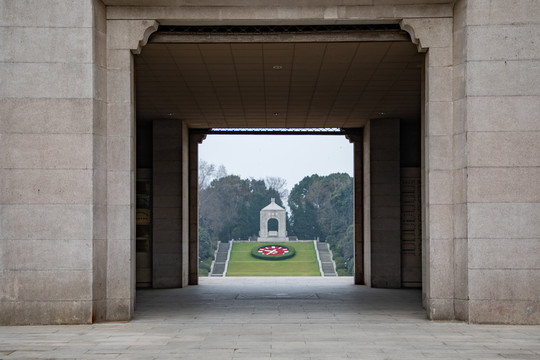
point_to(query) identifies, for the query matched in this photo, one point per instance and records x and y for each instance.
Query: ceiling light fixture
(276, 114)
(277, 67)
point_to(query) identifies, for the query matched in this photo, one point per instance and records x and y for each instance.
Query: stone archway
(273, 212)
(432, 35)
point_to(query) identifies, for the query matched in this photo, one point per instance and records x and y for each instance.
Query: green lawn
(304, 263)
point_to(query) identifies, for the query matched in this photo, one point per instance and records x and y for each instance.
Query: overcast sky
(291, 157)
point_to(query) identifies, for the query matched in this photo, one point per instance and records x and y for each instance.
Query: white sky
(291, 157)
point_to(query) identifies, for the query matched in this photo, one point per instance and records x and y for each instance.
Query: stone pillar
(356, 136)
(185, 206)
(169, 259)
(461, 258)
(385, 203)
(99, 227)
(123, 39)
(194, 140)
(434, 37)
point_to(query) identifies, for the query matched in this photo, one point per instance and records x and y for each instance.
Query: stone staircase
(220, 262)
(327, 265)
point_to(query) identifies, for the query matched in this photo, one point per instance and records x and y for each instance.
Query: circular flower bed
(273, 252)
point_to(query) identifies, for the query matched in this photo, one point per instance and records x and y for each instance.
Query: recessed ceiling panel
(319, 84)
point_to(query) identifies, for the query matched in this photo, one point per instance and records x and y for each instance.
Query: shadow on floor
(245, 299)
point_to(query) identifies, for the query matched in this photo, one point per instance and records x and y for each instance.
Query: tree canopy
(322, 207)
(230, 206)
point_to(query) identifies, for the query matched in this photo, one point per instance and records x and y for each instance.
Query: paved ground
(283, 318)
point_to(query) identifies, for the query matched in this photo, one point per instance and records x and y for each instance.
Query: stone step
(221, 259)
(322, 246)
(218, 268)
(325, 256)
(223, 246)
(221, 256)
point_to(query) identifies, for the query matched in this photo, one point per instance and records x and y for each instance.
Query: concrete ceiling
(338, 84)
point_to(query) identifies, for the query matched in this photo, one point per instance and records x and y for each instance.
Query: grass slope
(304, 263)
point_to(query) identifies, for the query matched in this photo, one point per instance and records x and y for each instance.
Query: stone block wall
(67, 152)
(52, 187)
(496, 116)
(460, 259)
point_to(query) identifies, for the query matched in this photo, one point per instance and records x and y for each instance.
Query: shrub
(208, 261)
(343, 272)
(203, 272)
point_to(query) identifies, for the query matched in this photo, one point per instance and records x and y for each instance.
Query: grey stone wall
(459, 197)
(67, 152)
(52, 233)
(497, 142)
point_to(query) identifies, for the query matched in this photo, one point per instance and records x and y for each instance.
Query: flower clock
(273, 252)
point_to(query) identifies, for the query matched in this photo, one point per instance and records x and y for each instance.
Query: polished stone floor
(282, 318)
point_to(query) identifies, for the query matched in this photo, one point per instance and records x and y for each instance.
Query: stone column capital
(429, 32)
(354, 135)
(129, 34)
(198, 135)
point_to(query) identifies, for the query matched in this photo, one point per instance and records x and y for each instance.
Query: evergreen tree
(322, 207)
(232, 205)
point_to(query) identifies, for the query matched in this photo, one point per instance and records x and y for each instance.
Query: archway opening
(374, 85)
(292, 181)
(273, 227)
